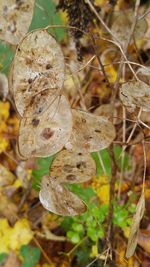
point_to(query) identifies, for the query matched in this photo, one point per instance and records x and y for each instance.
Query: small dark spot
(80, 154)
(40, 109)
(35, 122)
(71, 177)
(67, 168)
(35, 37)
(30, 80)
(47, 184)
(97, 131)
(124, 94)
(81, 164)
(48, 66)
(83, 120)
(47, 133)
(19, 49)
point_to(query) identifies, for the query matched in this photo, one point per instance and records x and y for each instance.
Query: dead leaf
(58, 199)
(42, 136)
(72, 167)
(135, 94)
(6, 177)
(7, 208)
(12, 260)
(15, 17)
(133, 237)
(38, 65)
(90, 132)
(144, 239)
(121, 26)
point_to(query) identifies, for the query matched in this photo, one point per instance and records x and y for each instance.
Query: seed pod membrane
(58, 199)
(90, 132)
(42, 136)
(15, 19)
(72, 167)
(38, 65)
(135, 94)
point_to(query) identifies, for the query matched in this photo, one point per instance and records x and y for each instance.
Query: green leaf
(78, 227)
(121, 164)
(30, 256)
(45, 14)
(74, 237)
(3, 257)
(43, 165)
(106, 161)
(120, 216)
(92, 234)
(67, 222)
(100, 213)
(83, 255)
(6, 56)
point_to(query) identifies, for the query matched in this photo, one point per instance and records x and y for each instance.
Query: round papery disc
(38, 65)
(58, 199)
(135, 94)
(72, 167)
(121, 26)
(46, 134)
(15, 19)
(90, 132)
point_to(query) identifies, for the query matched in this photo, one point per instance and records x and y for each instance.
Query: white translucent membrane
(38, 65)
(135, 94)
(58, 199)
(72, 167)
(90, 132)
(15, 19)
(45, 134)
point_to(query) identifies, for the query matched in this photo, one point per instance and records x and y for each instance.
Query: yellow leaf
(101, 187)
(21, 234)
(5, 230)
(94, 252)
(3, 144)
(4, 110)
(111, 72)
(126, 231)
(100, 2)
(17, 183)
(6, 177)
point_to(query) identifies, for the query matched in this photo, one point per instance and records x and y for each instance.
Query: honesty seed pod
(38, 65)
(72, 167)
(90, 132)
(58, 199)
(135, 94)
(16, 17)
(46, 134)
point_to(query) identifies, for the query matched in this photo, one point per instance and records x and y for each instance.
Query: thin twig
(144, 15)
(42, 251)
(123, 154)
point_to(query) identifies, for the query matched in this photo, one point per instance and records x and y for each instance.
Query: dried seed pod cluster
(48, 124)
